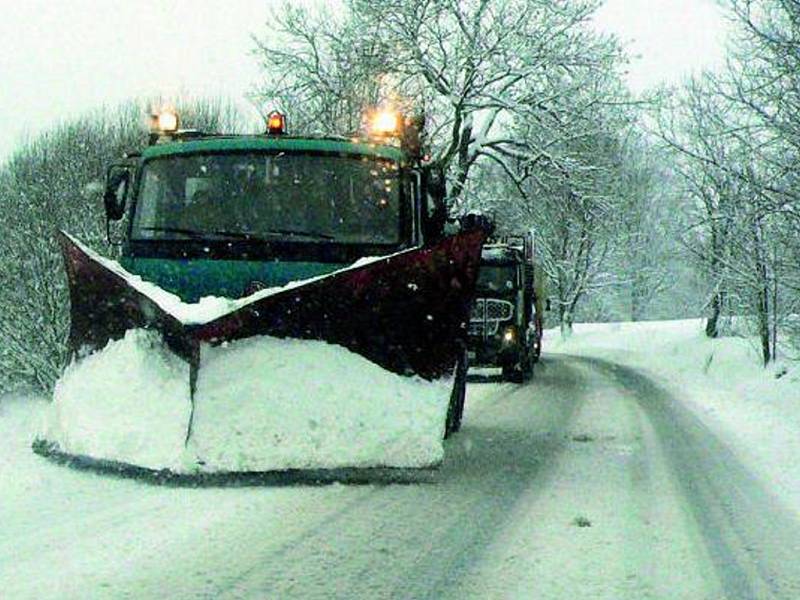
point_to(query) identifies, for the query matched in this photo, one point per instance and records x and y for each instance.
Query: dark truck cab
(505, 327)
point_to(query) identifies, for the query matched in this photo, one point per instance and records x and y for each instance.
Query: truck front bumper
(492, 352)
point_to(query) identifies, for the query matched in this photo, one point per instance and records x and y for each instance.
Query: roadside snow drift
(260, 404)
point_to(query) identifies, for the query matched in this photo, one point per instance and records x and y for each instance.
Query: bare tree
(471, 67)
(521, 98)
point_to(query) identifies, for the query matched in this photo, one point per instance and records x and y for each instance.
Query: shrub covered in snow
(55, 181)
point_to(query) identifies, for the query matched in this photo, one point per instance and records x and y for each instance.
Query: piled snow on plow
(130, 403)
(207, 308)
(260, 404)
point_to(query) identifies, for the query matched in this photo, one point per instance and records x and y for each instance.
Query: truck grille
(487, 313)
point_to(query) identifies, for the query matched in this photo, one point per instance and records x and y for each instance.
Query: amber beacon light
(276, 123)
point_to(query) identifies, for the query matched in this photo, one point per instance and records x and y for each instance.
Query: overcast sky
(671, 38)
(61, 57)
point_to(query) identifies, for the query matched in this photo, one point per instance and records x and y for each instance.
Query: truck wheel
(513, 373)
(455, 410)
(520, 372)
(527, 368)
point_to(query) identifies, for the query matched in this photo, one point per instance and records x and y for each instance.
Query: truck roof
(244, 143)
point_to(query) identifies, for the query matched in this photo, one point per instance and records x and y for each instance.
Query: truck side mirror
(433, 197)
(435, 182)
(115, 197)
(472, 221)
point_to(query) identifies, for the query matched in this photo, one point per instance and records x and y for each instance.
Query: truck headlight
(509, 335)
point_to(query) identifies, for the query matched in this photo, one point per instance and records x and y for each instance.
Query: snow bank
(260, 404)
(210, 307)
(265, 403)
(129, 402)
(667, 347)
(19, 417)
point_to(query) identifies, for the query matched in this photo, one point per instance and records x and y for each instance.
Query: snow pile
(260, 404)
(265, 403)
(129, 402)
(209, 307)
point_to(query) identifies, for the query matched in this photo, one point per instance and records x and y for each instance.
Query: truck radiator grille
(487, 313)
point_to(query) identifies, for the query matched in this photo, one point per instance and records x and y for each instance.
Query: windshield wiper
(295, 233)
(243, 235)
(192, 233)
(274, 233)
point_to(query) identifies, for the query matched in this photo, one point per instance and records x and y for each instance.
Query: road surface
(590, 482)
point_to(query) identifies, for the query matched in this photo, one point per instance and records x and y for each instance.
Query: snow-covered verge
(260, 404)
(20, 416)
(756, 409)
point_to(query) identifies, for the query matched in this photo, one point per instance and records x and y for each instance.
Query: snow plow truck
(280, 303)
(505, 328)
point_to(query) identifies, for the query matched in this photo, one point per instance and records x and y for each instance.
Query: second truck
(505, 327)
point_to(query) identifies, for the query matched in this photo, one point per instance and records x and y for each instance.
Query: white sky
(671, 37)
(61, 57)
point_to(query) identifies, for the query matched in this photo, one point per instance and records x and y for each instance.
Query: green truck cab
(217, 215)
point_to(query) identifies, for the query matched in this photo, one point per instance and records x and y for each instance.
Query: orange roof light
(385, 123)
(276, 123)
(164, 121)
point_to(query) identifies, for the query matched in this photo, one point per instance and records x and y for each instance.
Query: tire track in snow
(752, 540)
(636, 541)
(418, 541)
(235, 585)
(503, 473)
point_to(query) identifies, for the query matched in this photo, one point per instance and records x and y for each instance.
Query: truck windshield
(497, 278)
(295, 197)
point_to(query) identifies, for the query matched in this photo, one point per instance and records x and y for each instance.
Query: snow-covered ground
(631, 467)
(756, 410)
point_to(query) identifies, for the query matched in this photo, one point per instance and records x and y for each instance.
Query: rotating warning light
(385, 122)
(165, 121)
(276, 123)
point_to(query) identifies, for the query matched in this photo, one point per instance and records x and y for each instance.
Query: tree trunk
(564, 319)
(774, 308)
(762, 294)
(636, 303)
(763, 324)
(712, 324)
(566, 325)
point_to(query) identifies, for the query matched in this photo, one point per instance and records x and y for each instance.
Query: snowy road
(592, 482)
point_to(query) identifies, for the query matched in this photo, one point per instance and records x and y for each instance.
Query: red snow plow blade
(330, 395)
(406, 312)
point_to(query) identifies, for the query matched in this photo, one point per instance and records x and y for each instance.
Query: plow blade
(405, 312)
(298, 369)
